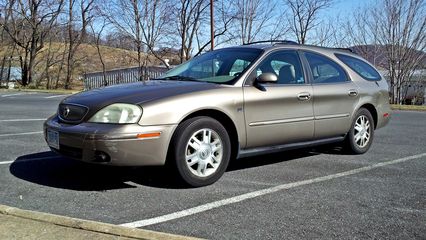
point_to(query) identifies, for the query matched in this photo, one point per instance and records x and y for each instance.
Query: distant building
(414, 91)
(10, 77)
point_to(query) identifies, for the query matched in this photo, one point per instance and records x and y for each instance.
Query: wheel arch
(223, 119)
(372, 109)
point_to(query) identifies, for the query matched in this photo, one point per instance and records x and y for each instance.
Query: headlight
(117, 113)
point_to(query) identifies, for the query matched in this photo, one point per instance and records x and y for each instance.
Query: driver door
(280, 112)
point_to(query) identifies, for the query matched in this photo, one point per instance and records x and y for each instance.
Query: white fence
(117, 76)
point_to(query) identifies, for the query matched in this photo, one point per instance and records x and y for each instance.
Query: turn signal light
(148, 135)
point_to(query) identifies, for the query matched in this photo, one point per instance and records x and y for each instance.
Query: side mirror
(267, 78)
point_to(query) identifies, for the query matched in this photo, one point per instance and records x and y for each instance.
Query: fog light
(101, 157)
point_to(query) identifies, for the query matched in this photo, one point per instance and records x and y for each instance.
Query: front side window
(324, 70)
(285, 64)
(219, 66)
(362, 68)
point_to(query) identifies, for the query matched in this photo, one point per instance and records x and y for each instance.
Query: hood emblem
(66, 112)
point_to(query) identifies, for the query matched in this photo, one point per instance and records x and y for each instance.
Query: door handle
(352, 92)
(304, 96)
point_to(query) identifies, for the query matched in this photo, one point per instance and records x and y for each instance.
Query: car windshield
(219, 66)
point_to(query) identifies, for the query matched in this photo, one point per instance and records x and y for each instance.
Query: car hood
(135, 93)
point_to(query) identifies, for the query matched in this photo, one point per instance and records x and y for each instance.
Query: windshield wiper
(182, 78)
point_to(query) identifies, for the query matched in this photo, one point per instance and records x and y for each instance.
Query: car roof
(292, 45)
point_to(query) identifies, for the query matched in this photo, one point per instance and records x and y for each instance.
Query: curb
(415, 108)
(88, 225)
(42, 91)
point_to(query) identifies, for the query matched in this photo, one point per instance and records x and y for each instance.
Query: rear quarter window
(363, 69)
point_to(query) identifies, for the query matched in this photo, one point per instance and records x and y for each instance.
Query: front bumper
(86, 141)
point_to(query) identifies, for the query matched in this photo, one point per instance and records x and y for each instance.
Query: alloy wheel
(362, 131)
(204, 152)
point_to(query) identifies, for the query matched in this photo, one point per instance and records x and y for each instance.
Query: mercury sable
(226, 104)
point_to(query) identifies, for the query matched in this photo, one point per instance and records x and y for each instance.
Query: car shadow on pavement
(50, 169)
(266, 159)
(332, 149)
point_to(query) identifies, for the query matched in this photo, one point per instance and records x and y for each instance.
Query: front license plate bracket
(53, 138)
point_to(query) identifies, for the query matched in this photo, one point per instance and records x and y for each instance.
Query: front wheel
(361, 134)
(201, 151)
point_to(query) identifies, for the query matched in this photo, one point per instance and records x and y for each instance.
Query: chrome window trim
(309, 70)
(291, 120)
(332, 116)
(302, 119)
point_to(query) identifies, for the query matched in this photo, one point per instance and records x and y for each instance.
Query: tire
(361, 134)
(201, 151)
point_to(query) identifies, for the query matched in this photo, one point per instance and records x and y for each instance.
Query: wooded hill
(378, 55)
(49, 63)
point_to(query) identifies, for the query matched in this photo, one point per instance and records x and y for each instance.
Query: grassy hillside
(87, 60)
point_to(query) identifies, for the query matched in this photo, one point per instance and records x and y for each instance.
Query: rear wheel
(360, 137)
(201, 151)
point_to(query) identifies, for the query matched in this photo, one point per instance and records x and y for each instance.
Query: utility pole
(211, 26)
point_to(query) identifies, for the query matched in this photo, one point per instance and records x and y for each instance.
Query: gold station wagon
(226, 104)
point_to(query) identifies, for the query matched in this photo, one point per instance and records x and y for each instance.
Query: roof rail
(346, 49)
(273, 41)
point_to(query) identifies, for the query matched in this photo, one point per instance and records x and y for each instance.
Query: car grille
(71, 113)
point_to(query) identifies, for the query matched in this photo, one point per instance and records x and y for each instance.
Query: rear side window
(362, 68)
(324, 70)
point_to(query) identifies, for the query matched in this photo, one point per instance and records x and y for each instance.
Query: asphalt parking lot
(308, 193)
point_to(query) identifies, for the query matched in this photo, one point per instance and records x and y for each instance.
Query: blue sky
(344, 7)
(339, 8)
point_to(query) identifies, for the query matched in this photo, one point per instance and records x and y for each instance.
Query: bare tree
(117, 39)
(402, 30)
(8, 47)
(194, 20)
(305, 16)
(361, 32)
(331, 32)
(154, 25)
(50, 59)
(126, 17)
(97, 34)
(223, 21)
(253, 20)
(60, 68)
(28, 24)
(190, 15)
(137, 18)
(77, 31)
(397, 30)
(146, 23)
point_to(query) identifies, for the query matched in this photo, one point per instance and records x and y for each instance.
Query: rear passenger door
(335, 96)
